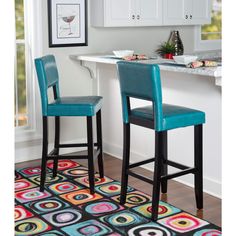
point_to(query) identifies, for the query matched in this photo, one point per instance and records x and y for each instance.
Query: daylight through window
(213, 31)
(21, 108)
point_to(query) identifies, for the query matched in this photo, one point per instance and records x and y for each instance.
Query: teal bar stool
(142, 81)
(88, 106)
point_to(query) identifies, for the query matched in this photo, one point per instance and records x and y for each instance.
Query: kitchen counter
(165, 65)
(194, 88)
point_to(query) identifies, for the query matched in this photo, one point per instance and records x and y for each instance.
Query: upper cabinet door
(174, 12)
(186, 12)
(119, 12)
(201, 12)
(148, 12)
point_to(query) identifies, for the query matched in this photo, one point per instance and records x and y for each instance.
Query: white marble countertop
(163, 64)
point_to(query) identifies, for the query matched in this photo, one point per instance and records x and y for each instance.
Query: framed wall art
(67, 23)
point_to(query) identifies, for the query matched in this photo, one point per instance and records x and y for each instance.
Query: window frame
(205, 45)
(33, 48)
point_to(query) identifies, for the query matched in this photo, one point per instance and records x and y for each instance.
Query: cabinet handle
(191, 16)
(138, 17)
(133, 17)
(186, 17)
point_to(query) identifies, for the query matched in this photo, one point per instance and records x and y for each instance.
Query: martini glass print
(69, 19)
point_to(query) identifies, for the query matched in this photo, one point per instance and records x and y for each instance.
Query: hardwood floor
(178, 194)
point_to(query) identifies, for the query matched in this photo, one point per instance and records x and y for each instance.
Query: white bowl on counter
(123, 53)
(184, 59)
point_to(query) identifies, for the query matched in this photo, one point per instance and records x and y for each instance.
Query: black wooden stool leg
(125, 163)
(157, 174)
(99, 141)
(165, 157)
(56, 144)
(198, 154)
(90, 153)
(44, 153)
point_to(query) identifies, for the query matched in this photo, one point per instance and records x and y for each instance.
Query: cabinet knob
(186, 17)
(138, 17)
(133, 17)
(191, 17)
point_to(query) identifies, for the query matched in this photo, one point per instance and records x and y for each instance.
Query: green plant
(166, 48)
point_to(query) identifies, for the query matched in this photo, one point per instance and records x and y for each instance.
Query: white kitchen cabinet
(186, 12)
(148, 12)
(117, 13)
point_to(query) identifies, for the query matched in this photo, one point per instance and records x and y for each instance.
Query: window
(21, 106)
(27, 47)
(208, 37)
(213, 30)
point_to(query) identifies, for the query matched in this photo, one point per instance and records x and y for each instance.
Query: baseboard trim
(33, 152)
(30, 153)
(211, 186)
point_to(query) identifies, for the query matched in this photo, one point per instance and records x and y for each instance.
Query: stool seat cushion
(75, 106)
(173, 116)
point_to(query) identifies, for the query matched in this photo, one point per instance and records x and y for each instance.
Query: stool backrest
(47, 73)
(140, 81)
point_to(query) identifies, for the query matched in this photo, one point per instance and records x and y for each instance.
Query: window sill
(209, 45)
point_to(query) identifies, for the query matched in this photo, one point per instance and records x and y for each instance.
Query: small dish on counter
(123, 53)
(184, 59)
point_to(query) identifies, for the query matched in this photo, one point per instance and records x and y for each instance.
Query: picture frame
(67, 23)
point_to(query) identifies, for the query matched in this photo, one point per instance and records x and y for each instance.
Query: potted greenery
(166, 50)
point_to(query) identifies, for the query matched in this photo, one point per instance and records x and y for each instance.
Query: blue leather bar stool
(142, 81)
(88, 106)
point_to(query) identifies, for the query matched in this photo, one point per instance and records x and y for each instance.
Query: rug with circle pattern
(67, 208)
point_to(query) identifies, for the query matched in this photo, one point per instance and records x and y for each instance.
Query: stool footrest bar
(52, 157)
(164, 177)
(180, 173)
(69, 145)
(141, 177)
(167, 162)
(141, 163)
(176, 165)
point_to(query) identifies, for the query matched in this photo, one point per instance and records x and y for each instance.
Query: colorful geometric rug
(67, 208)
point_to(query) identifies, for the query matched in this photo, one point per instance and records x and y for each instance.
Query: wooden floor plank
(179, 195)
